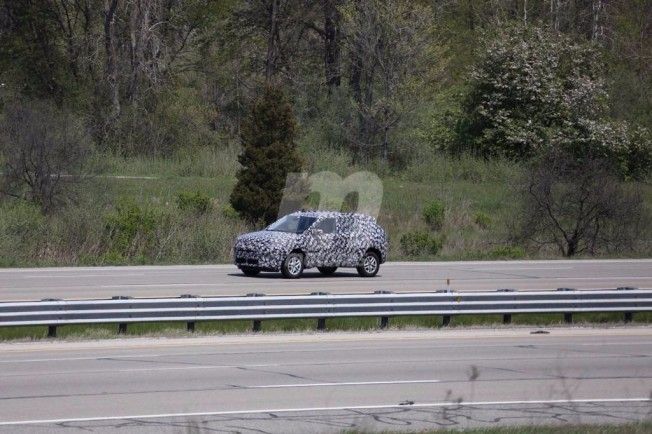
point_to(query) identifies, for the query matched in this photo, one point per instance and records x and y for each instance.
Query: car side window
(327, 225)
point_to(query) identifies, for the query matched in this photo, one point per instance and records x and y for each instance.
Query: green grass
(103, 331)
(78, 234)
(629, 428)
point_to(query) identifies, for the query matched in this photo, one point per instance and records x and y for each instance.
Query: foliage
(269, 154)
(433, 214)
(528, 83)
(230, 213)
(383, 41)
(130, 232)
(164, 90)
(628, 150)
(507, 252)
(482, 220)
(196, 202)
(533, 90)
(44, 152)
(417, 243)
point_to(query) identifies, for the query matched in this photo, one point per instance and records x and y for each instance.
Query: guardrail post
(122, 328)
(256, 325)
(568, 318)
(507, 318)
(321, 324)
(190, 326)
(629, 316)
(446, 320)
(52, 331)
(384, 322)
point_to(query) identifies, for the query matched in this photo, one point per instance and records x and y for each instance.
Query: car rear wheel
(250, 271)
(327, 271)
(292, 266)
(369, 265)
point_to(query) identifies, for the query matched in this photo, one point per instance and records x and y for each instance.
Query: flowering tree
(533, 90)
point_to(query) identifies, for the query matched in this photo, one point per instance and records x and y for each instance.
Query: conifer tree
(269, 154)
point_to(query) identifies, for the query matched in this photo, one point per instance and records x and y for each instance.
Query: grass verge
(130, 212)
(107, 331)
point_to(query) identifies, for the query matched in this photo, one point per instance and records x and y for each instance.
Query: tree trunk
(331, 44)
(109, 45)
(596, 28)
(571, 246)
(272, 41)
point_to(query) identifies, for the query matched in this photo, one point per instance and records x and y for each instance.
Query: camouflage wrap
(352, 236)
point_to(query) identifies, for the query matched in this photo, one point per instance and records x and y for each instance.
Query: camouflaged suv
(301, 240)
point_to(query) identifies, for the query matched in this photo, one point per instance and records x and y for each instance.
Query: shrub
(433, 214)
(230, 213)
(416, 243)
(196, 202)
(527, 82)
(482, 220)
(130, 230)
(507, 252)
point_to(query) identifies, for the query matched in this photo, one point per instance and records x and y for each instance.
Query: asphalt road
(103, 282)
(328, 382)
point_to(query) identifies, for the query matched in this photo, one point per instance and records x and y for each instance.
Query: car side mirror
(318, 232)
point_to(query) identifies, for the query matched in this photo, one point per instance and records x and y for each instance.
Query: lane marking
(332, 384)
(321, 409)
(80, 372)
(99, 357)
(521, 268)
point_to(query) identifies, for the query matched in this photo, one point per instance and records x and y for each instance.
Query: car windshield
(292, 223)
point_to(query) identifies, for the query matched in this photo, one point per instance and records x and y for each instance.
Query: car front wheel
(292, 266)
(369, 265)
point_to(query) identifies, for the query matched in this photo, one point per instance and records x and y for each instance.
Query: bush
(507, 252)
(482, 220)
(526, 83)
(230, 213)
(196, 202)
(416, 243)
(130, 231)
(21, 230)
(433, 214)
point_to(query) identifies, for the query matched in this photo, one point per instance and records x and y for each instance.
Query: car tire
(292, 266)
(327, 271)
(250, 271)
(369, 265)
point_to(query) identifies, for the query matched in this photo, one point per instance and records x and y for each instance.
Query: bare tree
(580, 206)
(44, 154)
(385, 41)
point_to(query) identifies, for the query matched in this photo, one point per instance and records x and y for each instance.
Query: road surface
(328, 382)
(152, 281)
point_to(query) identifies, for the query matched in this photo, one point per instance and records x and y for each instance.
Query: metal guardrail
(383, 304)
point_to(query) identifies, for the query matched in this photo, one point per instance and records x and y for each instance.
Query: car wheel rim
(370, 264)
(294, 266)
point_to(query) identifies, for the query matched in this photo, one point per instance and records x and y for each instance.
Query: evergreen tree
(269, 154)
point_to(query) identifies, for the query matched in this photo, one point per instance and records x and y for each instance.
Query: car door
(320, 245)
(344, 243)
